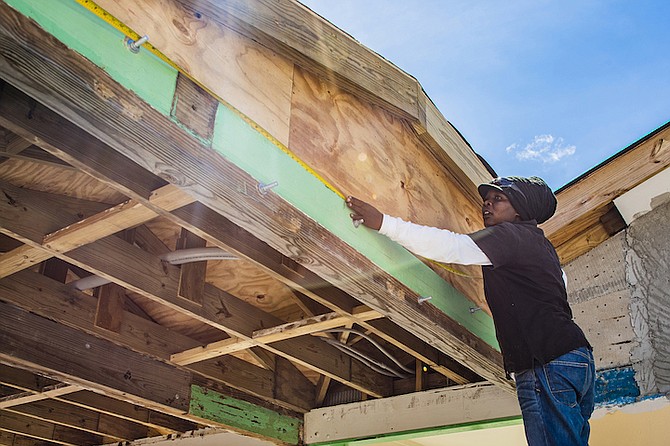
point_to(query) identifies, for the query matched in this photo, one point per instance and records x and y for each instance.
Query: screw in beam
(134, 46)
(423, 299)
(263, 189)
(473, 310)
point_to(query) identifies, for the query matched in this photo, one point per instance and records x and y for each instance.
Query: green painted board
(242, 415)
(154, 81)
(245, 147)
(144, 73)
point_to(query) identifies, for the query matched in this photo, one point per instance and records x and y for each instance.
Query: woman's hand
(365, 213)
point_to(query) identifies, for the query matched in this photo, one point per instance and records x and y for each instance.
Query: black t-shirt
(525, 291)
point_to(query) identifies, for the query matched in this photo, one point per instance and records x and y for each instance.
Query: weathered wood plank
(37, 343)
(309, 325)
(14, 439)
(431, 409)
(30, 397)
(43, 430)
(115, 219)
(75, 309)
(18, 113)
(160, 421)
(82, 419)
(27, 381)
(23, 257)
(194, 107)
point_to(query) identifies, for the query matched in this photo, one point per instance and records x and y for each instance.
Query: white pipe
(197, 255)
(174, 258)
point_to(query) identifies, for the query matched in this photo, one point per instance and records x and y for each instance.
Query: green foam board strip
(144, 73)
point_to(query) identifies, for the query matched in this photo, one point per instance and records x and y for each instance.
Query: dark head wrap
(531, 197)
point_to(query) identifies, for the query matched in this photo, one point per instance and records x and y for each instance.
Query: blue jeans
(557, 400)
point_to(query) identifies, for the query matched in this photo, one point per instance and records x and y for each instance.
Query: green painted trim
(155, 81)
(144, 73)
(243, 415)
(245, 147)
(429, 432)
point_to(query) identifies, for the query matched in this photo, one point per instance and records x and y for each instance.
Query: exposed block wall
(648, 272)
(620, 296)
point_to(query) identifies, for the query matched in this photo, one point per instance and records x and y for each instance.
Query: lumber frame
(137, 270)
(27, 382)
(163, 144)
(82, 359)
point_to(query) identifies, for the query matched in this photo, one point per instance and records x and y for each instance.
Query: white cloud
(544, 148)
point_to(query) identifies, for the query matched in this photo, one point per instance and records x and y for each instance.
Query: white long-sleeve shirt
(433, 243)
(436, 244)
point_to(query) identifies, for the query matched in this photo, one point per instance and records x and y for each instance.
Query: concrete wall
(620, 296)
(648, 273)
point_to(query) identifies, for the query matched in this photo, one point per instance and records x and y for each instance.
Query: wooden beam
(29, 397)
(109, 311)
(36, 155)
(137, 270)
(107, 222)
(43, 430)
(85, 420)
(68, 306)
(14, 439)
(616, 176)
(161, 422)
(289, 330)
(15, 145)
(167, 150)
(30, 341)
(22, 379)
(460, 406)
(23, 257)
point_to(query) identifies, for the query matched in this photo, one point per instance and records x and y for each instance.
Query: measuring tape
(116, 23)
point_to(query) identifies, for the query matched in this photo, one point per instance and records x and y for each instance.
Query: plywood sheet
(247, 282)
(251, 78)
(60, 181)
(363, 150)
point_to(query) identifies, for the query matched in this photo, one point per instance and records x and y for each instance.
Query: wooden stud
(194, 107)
(192, 275)
(109, 312)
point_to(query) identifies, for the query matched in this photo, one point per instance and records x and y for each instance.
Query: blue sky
(537, 87)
